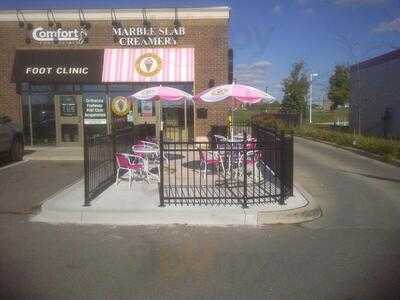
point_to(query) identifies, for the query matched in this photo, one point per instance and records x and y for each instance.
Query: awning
(58, 66)
(148, 65)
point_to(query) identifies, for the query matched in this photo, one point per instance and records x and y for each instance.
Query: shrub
(269, 121)
(389, 149)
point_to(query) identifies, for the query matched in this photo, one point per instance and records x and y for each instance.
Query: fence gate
(99, 160)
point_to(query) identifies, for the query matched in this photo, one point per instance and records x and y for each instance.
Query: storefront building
(62, 69)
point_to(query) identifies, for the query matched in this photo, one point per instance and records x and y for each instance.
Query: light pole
(312, 75)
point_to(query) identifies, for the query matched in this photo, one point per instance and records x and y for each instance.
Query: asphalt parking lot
(24, 185)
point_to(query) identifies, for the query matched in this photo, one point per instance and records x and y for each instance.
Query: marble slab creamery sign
(145, 37)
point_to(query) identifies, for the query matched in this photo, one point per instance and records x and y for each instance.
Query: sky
(269, 36)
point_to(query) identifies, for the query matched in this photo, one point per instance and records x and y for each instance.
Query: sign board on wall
(50, 35)
(58, 66)
(68, 107)
(120, 106)
(95, 109)
(146, 108)
(145, 37)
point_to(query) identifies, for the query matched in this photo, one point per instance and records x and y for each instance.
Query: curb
(393, 162)
(306, 213)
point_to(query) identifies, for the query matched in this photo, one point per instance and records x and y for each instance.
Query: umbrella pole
(232, 118)
(185, 112)
(161, 120)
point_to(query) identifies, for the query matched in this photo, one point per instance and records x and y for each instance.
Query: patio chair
(209, 158)
(251, 144)
(130, 163)
(253, 161)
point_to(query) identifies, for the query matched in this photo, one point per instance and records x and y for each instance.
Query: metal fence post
(161, 183)
(114, 147)
(244, 205)
(291, 163)
(282, 168)
(86, 164)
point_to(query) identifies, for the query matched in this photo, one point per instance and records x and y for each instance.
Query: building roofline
(217, 12)
(376, 60)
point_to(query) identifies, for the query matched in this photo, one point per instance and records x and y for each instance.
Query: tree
(295, 89)
(339, 86)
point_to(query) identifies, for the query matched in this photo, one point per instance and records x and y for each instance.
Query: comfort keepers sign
(58, 66)
(148, 65)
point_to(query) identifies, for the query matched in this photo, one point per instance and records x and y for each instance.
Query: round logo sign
(120, 106)
(148, 64)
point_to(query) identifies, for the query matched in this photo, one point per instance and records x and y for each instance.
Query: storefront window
(94, 88)
(38, 114)
(174, 112)
(43, 119)
(26, 120)
(64, 89)
(40, 88)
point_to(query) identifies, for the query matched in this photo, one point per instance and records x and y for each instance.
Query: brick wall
(209, 37)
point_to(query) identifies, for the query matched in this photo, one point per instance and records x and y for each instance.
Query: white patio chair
(210, 158)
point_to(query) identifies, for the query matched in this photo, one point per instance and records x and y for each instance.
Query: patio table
(147, 152)
(230, 150)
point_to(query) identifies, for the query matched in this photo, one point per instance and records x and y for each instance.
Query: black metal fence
(99, 159)
(248, 172)
(177, 133)
(199, 173)
(281, 161)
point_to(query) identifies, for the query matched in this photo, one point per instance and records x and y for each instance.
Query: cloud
(261, 64)
(389, 26)
(277, 9)
(254, 74)
(359, 2)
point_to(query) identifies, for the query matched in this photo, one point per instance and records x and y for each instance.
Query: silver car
(11, 140)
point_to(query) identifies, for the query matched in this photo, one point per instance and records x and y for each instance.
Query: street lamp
(312, 75)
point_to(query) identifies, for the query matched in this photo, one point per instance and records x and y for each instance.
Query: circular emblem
(148, 64)
(120, 106)
(219, 92)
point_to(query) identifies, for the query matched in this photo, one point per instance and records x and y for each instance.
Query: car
(11, 140)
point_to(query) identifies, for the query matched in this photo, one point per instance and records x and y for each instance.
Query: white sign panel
(95, 109)
(147, 108)
(77, 35)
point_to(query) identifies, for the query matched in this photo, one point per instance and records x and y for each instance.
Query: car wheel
(17, 150)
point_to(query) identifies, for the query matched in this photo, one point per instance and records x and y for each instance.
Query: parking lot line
(14, 164)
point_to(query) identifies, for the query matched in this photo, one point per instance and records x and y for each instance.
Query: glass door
(69, 125)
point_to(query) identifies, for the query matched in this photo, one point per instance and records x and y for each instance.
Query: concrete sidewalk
(53, 153)
(140, 206)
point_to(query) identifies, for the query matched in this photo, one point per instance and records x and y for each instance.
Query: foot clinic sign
(58, 66)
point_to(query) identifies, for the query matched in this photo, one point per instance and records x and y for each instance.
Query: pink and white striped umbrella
(162, 93)
(242, 93)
